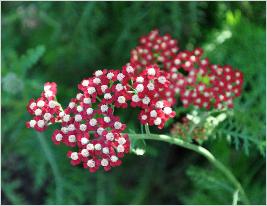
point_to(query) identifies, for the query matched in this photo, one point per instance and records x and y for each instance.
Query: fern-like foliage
(246, 128)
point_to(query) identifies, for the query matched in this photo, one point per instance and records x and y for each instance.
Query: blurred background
(66, 42)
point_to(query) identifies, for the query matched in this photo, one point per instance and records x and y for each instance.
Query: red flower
(45, 109)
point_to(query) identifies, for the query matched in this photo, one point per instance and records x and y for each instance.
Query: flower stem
(200, 150)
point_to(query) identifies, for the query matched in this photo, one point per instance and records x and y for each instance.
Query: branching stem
(200, 150)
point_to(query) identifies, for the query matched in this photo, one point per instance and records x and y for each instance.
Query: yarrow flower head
(89, 124)
(150, 95)
(193, 80)
(154, 49)
(45, 109)
(202, 84)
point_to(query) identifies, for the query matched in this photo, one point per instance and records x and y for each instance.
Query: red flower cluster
(150, 94)
(198, 82)
(203, 84)
(88, 121)
(157, 72)
(45, 109)
(154, 49)
(91, 126)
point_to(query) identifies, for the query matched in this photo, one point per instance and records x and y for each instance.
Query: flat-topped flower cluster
(157, 76)
(194, 80)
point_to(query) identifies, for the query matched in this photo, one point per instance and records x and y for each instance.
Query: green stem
(147, 129)
(200, 150)
(51, 160)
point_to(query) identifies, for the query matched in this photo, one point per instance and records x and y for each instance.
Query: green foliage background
(66, 41)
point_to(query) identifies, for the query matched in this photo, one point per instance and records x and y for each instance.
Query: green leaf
(27, 60)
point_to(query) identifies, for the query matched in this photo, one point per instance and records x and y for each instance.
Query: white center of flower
(74, 156)
(79, 108)
(32, 123)
(110, 136)
(104, 162)
(121, 140)
(162, 79)
(105, 150)
(193, 58)
(71, 127)
(96, 81)
(107, 96)
(78, 118)
(47, 116)
(40, 103)
(150, 86)
(120, 148)
(181, 82)
(72, 138)
(167, 110)
(187, 63)
(206, 94)
(85, 83)
(151, 71)
(91, 90)
(85, 153)
(117, 125)
(41, 123)
(144, 117)
(32, 105)
(119, 87)
(38, 112)
(91, 163)
(120, 76)
(140, 79)
(84, 140)
(103, 88)
(98, 146)
(114, 158)
(121, 99)
(87, 100)
(64, 130)
(66, 118)
(159, 104)
(110, 75)
(71, 105)
(83, 127)
(79, 96)
(107, 119)
(104, 108)
(90, 147)
(135, 98)
(139, 87)
(100, 130)
(47, 88)
(157, 121)
(93, 122)
(130, 69)
(59, 137)
(153, 113)
(89, 111)
(98, 73)
(177, 61)
(146, 100)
